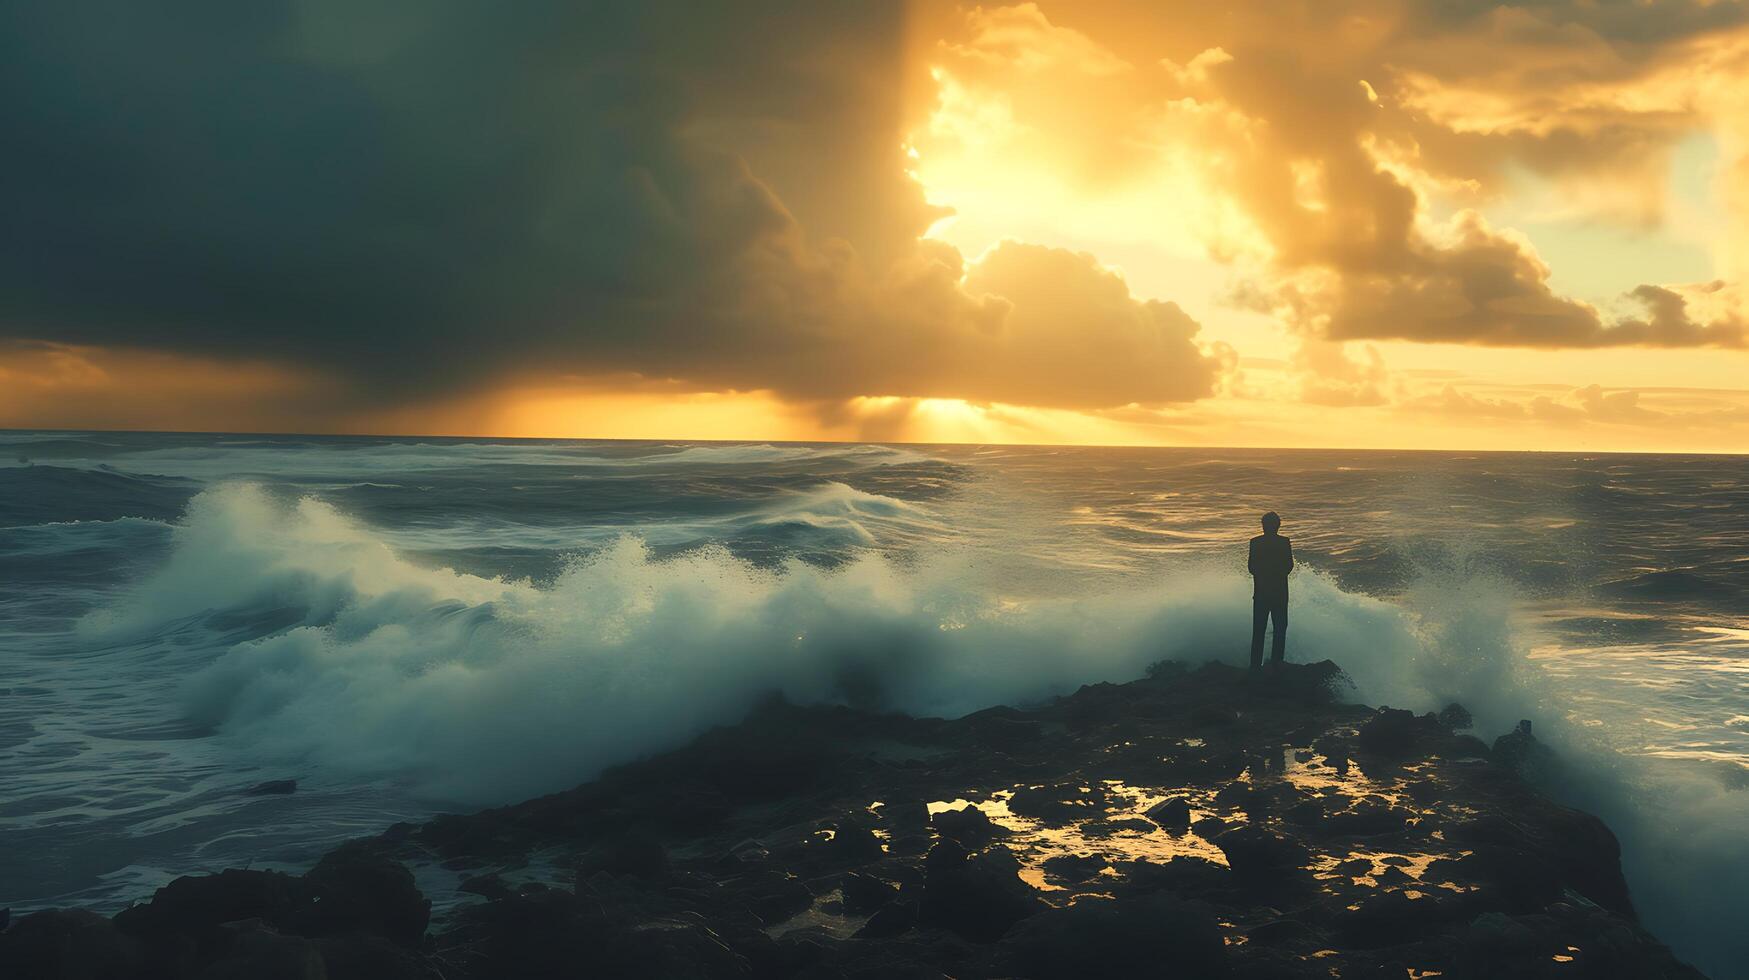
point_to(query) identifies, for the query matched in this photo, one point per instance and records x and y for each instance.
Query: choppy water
(405, 626)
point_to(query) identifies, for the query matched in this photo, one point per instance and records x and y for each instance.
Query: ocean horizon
(389, 622)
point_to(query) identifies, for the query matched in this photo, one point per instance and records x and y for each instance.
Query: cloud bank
(428, 196)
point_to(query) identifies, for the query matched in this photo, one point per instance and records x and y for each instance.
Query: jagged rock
(632, 854)
(1075, 868)
(1355, 867)
(1173, 814)
(968, 825)
(1059, 803)
(357, 889)
(697, 904)
(1393, 875)
(1191, 877)
(1519, 749)
(256, 952)
(1365, 819)
(365, 957)
(1394, 733)
(1002, 728)
(1391, 918)
(910, 816)
(865, 893)
(1212, 716)
(1255, 853)
(1208, 828)
(890, 920)
(189, 910)
(977, 896)
(749, 852)
(1099, 937)
(68, 944)
(776, 896)
(1282, 932)
(853, 842)
(1456, 717)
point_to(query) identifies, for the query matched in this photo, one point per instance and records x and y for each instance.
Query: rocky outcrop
(1197, 823)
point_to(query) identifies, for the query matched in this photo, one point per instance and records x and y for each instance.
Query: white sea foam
(485, 689)
(490, 690)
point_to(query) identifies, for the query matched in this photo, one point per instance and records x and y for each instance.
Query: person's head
(1271, 522)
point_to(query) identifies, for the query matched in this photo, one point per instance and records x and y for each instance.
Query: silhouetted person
(1272, 557)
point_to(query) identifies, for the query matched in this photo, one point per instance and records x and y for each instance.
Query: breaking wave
(487, 690)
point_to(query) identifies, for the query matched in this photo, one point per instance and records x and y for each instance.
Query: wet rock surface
(1197, 823)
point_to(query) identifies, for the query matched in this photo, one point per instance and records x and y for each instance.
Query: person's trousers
(1262, 610)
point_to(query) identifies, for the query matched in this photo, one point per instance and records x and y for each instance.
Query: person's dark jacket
(1272, 557)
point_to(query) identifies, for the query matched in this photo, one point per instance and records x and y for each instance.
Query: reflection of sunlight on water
(1117, 832)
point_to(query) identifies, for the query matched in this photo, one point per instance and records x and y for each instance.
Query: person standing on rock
(1272, 558)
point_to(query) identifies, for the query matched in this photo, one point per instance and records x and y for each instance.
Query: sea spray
(488, 689)
(1001, 576)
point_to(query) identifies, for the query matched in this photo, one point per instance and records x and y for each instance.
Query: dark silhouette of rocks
(1197, 823)
(1173, 813)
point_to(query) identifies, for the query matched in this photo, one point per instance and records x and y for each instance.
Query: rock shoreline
(1195, 823)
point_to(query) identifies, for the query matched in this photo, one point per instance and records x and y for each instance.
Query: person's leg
(1279, 647)
(1259, 616)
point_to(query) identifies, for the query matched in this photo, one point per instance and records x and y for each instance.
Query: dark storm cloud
(433, 195)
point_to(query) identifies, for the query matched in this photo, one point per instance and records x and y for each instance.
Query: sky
(1376, 224)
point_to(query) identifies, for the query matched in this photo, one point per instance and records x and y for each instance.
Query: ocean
(411, 626)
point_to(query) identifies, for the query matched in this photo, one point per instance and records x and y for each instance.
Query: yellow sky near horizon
(1382, 230)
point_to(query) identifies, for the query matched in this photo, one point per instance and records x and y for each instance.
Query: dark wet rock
(890, 920)
(977, 896)
(1002, 728)
(67, 944)
(1306, 813)
(776, 896)
(853, 843)
(1391, 918)
(487, 886)
(865, 893)
(1212, 716)
(1455, 717)
(1588, 856)
(1105, 828)
(1365, 819)
(1190, 877)
(1208, 828)
(1075, 868)
(748, 852)
(1173, 813)
(910, 816)
(758, 850)
(1519, 750)
(967, 825)
(1256, 853)
(256, 952)
(1489, 828)
(1059, 803)
(184, 916)
(1514, 881)
(363, 957)
(273, 787)
(632, 854)
(1282, 932)
(357, 889)
(1395, 733)
(1355, 867)
(1098, 937)
(1392, 875)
